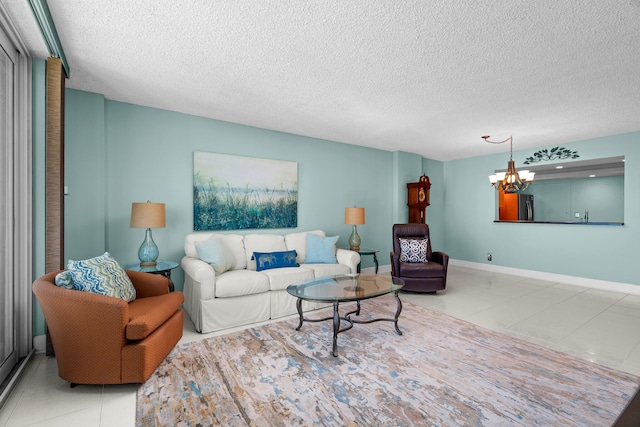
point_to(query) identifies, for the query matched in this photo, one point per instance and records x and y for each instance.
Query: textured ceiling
(419, 76)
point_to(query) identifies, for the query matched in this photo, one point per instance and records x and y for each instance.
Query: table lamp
(354, 216)
(148, 215)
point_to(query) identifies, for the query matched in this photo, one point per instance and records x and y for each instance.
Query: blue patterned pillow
(101, 275)
(413, 250)
(64, 280)
(267, 260)
(321, 250)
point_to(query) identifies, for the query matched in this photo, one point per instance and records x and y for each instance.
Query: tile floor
(600, 326)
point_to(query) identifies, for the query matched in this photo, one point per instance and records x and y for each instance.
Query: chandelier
(510, 181)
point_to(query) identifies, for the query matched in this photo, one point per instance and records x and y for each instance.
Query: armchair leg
(73, 385)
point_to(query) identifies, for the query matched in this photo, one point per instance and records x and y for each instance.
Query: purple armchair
(418, 277)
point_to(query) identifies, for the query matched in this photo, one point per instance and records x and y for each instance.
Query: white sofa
(242, 295)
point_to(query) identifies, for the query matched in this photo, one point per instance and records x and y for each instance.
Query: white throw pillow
(413, 250)
(262, 243)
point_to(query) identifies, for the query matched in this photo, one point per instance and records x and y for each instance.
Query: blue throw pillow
(321, 250)
(267, 260)
(101, 275)
(64, 280)
(214, 252)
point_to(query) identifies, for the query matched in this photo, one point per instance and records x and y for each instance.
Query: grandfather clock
(418, 199)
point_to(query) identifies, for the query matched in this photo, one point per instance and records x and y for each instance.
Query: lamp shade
(147, 215)
(354, 216)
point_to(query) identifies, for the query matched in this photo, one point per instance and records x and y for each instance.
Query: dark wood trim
(54, 192)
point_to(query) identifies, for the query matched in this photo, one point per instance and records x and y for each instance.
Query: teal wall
(596, 252)
(435, 212)
(119, 153)
(85, 176)
(407, 167)
(38, 152)
(149, 156)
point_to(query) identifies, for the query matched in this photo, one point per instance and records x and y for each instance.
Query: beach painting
(236, 192)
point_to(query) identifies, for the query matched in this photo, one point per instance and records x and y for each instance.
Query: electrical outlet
(489, 256)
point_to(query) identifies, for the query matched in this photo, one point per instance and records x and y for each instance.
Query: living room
(117, 153)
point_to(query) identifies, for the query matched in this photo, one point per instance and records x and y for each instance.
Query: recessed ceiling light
(592, 176)
(559, 167)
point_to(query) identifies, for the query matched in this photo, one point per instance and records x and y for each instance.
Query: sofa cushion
(101, 275)
(413, 250)
(268, 260)
(321, 250)
(147, 314)
(236, 283)
(215, 252)
(262, 243)
(234, 242)
(280, 278)
(298, 243)
(420, 270)
(323, 270)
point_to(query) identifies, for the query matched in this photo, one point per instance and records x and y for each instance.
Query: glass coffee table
(346, 288)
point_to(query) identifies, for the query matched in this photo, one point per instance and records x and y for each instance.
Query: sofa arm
(441, 258)
(395, 264)
(349, 258)
(199, 278)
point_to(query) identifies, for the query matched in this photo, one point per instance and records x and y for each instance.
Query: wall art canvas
(235, 192)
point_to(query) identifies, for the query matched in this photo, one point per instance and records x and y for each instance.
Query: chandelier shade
(512, 180)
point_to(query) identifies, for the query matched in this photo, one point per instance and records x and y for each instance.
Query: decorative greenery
(220, 208)
(557, 153)
(236, 192)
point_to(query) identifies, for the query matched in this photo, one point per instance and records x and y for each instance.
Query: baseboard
(625, 288)
(381, 269)
(40, 343)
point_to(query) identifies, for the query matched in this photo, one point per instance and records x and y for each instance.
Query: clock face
(421, 195)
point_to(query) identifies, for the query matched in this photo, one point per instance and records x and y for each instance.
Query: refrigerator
(516, 207)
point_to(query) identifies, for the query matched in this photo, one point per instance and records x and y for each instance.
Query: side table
(162, 268)
(372, 252)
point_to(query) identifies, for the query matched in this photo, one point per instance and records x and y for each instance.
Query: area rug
(442, 371)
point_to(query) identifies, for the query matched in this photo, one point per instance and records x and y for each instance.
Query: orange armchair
(99, 339)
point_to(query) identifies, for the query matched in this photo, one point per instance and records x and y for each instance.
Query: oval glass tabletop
(160, 266)
(345, 287)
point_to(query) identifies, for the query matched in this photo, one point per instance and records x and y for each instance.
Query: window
(15, 205)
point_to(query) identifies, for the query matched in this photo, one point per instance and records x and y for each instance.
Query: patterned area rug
(442, 371)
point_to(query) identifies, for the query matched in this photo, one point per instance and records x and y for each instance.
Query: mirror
(587, 192)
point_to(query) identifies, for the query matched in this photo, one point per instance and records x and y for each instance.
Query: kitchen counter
(567, 222)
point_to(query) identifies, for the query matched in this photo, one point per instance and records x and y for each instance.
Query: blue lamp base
(148, 252)
(354, 240)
